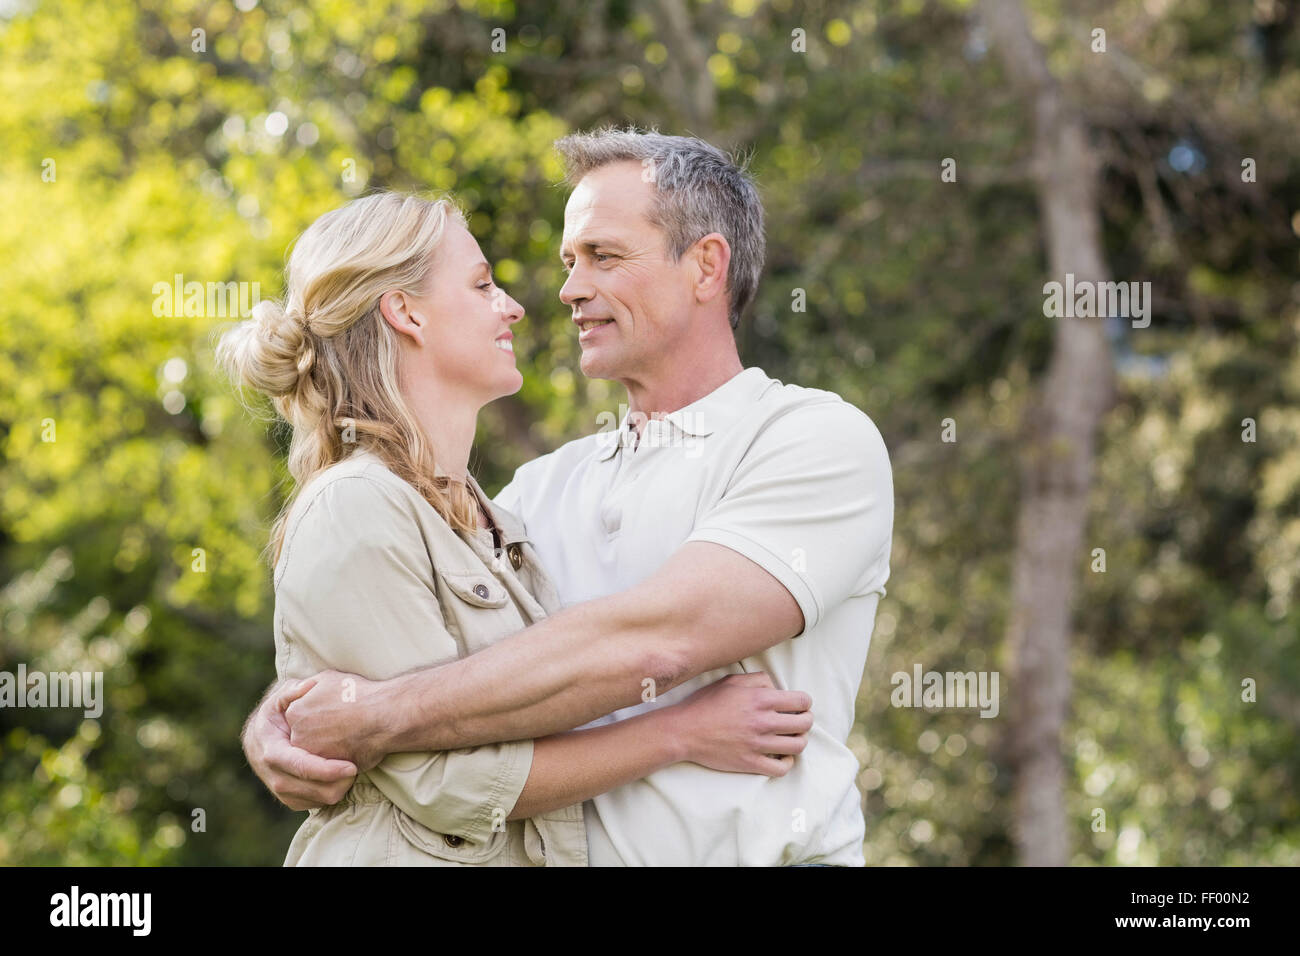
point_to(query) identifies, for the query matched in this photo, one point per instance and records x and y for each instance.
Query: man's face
(622, 278)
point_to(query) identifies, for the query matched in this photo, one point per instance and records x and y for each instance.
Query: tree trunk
(689, 86)
(1057, 450)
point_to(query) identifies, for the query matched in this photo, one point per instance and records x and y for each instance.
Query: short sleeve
(812, 503)
(355, 592)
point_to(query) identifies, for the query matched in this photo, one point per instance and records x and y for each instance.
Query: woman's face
(463, 340)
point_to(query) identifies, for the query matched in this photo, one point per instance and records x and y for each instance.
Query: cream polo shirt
(798, 481)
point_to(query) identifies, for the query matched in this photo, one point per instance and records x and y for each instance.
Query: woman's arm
(734, 724)
(575, 766)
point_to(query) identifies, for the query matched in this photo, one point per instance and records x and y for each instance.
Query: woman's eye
(484, 285)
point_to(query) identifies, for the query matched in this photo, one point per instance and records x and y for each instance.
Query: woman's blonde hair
(328, 359)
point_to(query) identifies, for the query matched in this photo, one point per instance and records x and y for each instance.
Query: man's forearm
(585, 661)
(705, 608)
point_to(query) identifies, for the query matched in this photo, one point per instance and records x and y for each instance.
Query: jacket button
(516, 556)
(481, 590)
(452, 840)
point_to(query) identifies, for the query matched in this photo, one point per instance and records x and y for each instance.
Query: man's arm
(809, 484)
(706, 607)
(298, 778)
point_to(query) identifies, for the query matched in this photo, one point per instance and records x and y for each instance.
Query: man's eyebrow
(589, 244)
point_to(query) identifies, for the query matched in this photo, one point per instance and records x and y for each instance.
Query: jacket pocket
(446, 846)
(476, 587)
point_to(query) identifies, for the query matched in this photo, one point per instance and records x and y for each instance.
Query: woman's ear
(395, 307)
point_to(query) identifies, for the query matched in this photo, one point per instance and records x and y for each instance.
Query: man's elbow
(660, 645)
(696, 632)
(681, 643)
(663, 666)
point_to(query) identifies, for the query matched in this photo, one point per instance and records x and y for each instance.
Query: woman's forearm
(575, 766)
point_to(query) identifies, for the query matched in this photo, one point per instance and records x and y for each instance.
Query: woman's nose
(513, 311)
(506, 305)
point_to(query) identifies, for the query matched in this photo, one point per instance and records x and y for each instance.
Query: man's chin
(594, 364)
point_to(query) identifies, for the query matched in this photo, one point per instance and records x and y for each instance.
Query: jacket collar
(511, 528)
(701, 418)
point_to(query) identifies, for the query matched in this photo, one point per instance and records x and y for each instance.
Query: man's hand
(298, 778)
(331, 718)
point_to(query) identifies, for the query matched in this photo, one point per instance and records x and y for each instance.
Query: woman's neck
(448, 421)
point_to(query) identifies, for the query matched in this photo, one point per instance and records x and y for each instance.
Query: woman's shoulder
(356, 502)
(362, 478)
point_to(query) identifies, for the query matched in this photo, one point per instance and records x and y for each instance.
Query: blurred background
(196, 138)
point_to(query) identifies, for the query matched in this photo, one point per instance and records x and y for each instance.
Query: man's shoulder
(564, 459)
(815, 415)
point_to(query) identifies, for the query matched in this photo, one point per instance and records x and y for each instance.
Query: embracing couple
(646, 650)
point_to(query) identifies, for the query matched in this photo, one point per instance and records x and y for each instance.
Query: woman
(389, 557)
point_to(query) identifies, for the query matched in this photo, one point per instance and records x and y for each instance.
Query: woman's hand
(743, 724)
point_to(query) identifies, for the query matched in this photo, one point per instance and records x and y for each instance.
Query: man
(731, 524)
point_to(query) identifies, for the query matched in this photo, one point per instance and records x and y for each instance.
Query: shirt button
(452, 840)
(516, 556)
(482, 591)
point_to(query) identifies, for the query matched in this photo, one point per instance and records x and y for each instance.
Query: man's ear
(712, 256)
(396, 309)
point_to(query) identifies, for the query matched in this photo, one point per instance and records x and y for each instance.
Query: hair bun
(288, 331)
(276, 325)
(270, 351)
(306, 354)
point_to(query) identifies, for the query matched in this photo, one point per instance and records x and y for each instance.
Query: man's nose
(575, 289)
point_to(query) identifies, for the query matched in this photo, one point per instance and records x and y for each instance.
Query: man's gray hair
(700, 189)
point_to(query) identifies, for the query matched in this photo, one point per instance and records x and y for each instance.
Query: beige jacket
(373, 582)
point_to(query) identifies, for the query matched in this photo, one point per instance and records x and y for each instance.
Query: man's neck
(653, 398)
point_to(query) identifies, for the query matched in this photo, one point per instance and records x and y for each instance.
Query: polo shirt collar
(702, 417)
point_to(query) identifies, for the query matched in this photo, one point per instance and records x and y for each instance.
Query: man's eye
(602, 256)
